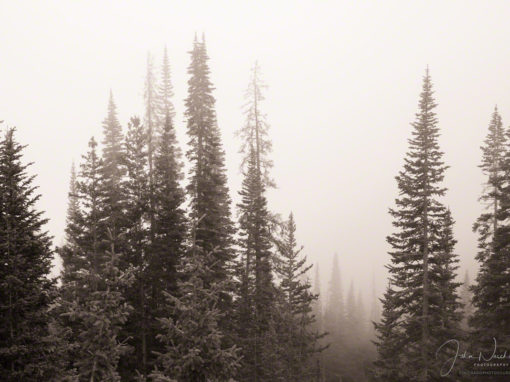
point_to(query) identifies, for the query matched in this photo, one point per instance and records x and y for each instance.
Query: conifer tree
(194, 345)
(208, 182)
(112, 173)
(317, 305)
(97, 317)
(165, 94)
(26, 291)
(421, 260)
(466, 297)
(137, 186)
(388, 366)
(490, 291)
(334, 324)
(257, 311)
(334, 317)
(298, 338)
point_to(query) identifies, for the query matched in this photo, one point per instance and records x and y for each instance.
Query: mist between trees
(164, 280)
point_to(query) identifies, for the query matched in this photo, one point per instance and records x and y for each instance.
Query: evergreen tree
(317, 305)
(257, 311)
(112, 173)
(26, 291)
(255, 133)
(466, 297)
(167, 250)
(421, 259)
(375, 311)
(194, 345)
(98, 317)
(389, 333)
(165, 106)
(335, 325)
(256, 305)
(490, 292)
(208, 182)
(137, 186)
(298, 338)
(334, 317)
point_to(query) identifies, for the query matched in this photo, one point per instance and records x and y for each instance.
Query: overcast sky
(344, 79)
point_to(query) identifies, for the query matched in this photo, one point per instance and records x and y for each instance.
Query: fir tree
(165, 94)
(298, 339)
(112, 173)
(419, 254)
(490, 292)
(97, 316)
(208, 182)
(194, 345)
(466, 297)
(137, 188)
(255, 133)
(26, 291)
(256, 305)
(388, 366)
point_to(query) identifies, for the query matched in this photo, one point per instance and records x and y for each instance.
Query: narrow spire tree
(417, 245)
(490, 318)
(207, 186)
(112, 173)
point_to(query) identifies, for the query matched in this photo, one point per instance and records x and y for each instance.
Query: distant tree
(335, 324)
(26, 291)
(298, 339)
(466, 299)
(165, 93)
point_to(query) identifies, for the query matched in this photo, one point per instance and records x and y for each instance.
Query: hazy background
(344, 80)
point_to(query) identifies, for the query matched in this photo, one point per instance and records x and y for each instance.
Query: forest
(164, 279)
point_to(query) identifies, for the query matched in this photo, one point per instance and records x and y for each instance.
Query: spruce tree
(97, 317)
(420, 254)
(112, 174)
(136, 187)
(256, 308)
(466, 297)
(194, 344)
(298, 339)
(490, 292)
(165, 93)
(389, 341)
(334, 323)
(207, 186)
(26, 291)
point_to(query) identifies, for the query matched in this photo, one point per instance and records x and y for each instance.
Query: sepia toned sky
(343, 76)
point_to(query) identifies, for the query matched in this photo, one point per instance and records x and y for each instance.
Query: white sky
(344, 79)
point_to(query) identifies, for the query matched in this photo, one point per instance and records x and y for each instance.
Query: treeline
(428, 316)
(159, 281)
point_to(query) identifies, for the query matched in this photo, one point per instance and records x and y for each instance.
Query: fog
(343, 77)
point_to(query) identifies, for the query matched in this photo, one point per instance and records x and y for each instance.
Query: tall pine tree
(25, 288)
(207, 188)
(421, 258)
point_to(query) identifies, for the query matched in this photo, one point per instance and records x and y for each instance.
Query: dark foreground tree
(422, 261)
(194, 345)
(26, 292)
